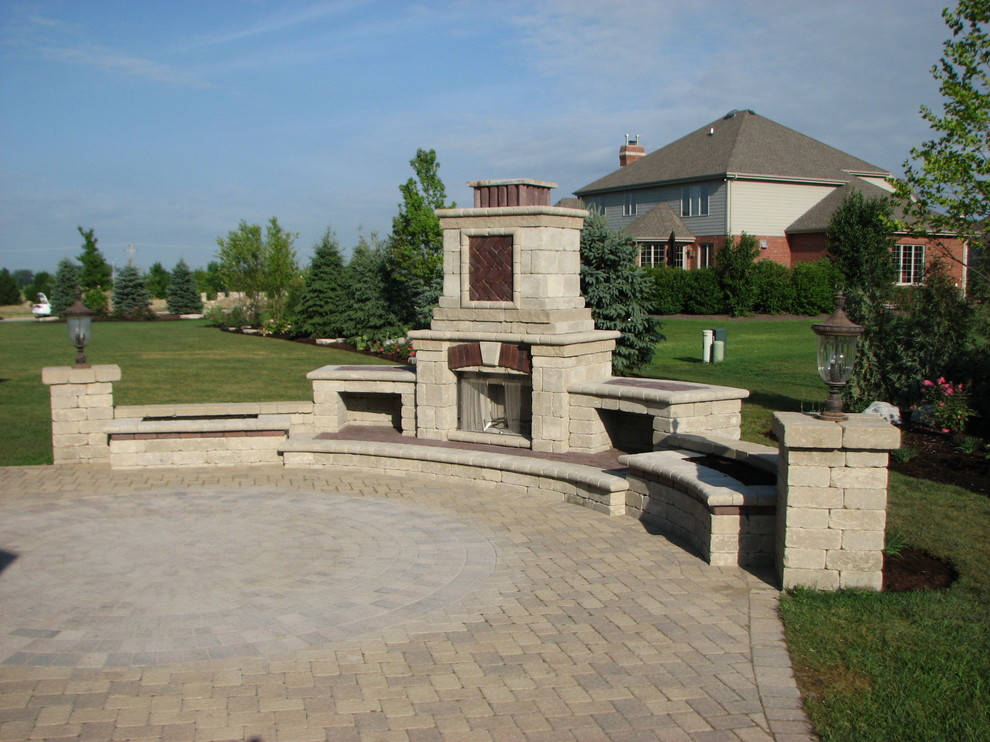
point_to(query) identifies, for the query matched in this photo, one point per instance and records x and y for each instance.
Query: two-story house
(744, 173)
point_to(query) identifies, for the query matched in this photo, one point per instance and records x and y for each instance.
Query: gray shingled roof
(657, 224)
(818, 217)
(743, 143)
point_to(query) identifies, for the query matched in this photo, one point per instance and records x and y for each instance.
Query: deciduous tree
(260, 266)
(859, 239)
(946, 185)
(156, 281)
(415, 255)
(9, 293)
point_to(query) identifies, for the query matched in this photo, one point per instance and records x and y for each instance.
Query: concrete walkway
(276, 604)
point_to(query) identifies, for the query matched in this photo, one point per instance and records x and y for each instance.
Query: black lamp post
(838, 338)
(80, 321)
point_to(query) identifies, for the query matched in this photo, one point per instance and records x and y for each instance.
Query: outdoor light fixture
(80, 321)
(837, 341)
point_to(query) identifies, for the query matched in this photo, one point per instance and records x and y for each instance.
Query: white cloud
(116, 63)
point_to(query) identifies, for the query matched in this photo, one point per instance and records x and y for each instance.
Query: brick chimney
(631, 151)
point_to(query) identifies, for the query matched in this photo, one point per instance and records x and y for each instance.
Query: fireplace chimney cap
(511, 192)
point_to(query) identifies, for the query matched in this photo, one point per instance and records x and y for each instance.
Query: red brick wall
(942, 250)
(807, 248)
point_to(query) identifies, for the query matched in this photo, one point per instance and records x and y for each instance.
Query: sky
(162, 125)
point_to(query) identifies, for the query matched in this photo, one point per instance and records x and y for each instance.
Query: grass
(871, 666)
(160, 362)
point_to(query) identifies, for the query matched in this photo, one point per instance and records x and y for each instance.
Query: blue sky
(163, 124)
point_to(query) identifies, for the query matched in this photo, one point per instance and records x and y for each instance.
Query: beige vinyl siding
(763, 208)
(878, 182)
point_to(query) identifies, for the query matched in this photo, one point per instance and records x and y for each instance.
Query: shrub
(666, 289)
(96, 301)
(703, 292)
(814, 286)
(774, 288)
(946, 405)
(9, 293)
(734, 266)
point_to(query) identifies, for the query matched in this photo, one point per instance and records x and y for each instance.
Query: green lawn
(871, 666)
(160, 362)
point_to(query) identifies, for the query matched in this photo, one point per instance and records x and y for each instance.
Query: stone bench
(647, 411)
(725, 521)
(576, 483)
(203, 434)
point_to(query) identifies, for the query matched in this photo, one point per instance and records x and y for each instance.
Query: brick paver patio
(277, 604)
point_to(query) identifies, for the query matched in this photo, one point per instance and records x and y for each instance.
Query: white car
(41, 307)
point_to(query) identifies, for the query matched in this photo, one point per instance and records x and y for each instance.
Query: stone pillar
(832, 500)
(82, 405)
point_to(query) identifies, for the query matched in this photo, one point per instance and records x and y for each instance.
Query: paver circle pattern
(177, 576)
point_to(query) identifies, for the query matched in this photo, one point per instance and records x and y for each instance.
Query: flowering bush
(275, 327)
(946, 406)
(401, 348)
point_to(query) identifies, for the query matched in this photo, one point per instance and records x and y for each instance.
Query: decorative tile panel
(490, 266)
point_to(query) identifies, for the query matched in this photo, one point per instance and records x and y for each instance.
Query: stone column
(82, 405)
(832, 500)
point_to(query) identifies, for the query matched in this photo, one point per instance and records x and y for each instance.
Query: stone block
(867, 459)
(804, 558)
(862, 540)
(812, 538)
(801, 430)
(808, 476)
(869, 432)
(856, 561)
(817, 579)
(865, 499)
(807, 518)
(858, 520)
(859, 478)
(850, 580)
(815, 458)
(813, 497)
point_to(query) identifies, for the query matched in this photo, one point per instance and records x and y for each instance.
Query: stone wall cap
(572, 338)
(678, 393)
(511, 211)
(72, 375)
(364, 373)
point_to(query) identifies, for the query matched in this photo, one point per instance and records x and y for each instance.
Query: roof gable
(740, 143)
(658, 224)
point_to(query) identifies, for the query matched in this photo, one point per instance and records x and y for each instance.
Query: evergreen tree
(9, 293)
(156, 280)
(368, 313)
(735, 265)
(183, 298)
(325, 295)
(618, 292)
(66, 289)
(95, 273)
(415, 254)
(130, 297)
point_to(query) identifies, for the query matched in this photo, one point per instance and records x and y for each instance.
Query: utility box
(713, 343)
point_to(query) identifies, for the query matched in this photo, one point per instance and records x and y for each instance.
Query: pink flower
(926, 382)
(941, 404)
(949, 390)
(941, 379)
(945, 430)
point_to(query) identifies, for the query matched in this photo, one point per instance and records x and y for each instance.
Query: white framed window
(705, 252)
(694, 200)
(629, 205)
(652, 254)
(677, 259)
(909, 263)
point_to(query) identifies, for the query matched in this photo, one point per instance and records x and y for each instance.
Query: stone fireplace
(512, 333)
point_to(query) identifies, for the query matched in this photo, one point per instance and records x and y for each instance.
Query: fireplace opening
(497, 404)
